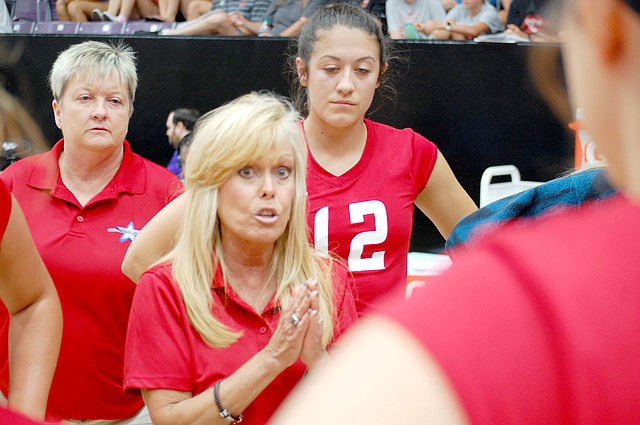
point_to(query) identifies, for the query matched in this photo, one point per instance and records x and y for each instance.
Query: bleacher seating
(101, 28)
(56, 27)
(34, 10)
(143, 26)
(22, 27)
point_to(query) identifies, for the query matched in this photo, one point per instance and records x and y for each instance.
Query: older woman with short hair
(85, 201)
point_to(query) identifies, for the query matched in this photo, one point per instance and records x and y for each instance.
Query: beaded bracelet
(224, 413)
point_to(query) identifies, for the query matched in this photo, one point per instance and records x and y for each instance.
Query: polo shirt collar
(131, 176)
(228, 292)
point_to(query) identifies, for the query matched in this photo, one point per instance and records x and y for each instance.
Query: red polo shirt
(165, 352)
(83, 248)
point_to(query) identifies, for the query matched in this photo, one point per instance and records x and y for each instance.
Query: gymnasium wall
(477, 102)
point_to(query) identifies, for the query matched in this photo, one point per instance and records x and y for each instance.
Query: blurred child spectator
(464, 22)
(403, 14)
(525, 20)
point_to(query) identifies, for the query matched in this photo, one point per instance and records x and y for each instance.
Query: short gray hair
(95, 59)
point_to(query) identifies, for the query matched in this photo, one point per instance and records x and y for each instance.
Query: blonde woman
(229, 321)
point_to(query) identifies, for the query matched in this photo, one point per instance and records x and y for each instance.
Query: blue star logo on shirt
(129, 233)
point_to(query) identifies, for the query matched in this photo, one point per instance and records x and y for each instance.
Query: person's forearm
(236, 392)
(466, 30)
(34, 342)
(253, 27)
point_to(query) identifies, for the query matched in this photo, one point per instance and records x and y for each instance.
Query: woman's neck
(337, 150)
(86, 175)
(247, 271)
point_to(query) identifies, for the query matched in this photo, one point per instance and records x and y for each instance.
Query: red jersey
(83, 248)
(539, 323)
(365, 216)
(165, 352)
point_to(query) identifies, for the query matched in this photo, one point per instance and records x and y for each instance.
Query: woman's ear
(383, 69)
(56, 113)
(301, 68)
(603, 23)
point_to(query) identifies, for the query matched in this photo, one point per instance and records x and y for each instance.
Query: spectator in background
(503, 11)
(285, 18)
(197, 8)
(123, 10)
(501, 5)
(5, 18)
(525, 19)
(464, 22)
(180, 122)
(84, 201)
(79, 10)
(448, 4)
(183, 152)
(402, 15)
(226, 17)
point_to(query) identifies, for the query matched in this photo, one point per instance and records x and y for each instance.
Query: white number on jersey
(357, 212)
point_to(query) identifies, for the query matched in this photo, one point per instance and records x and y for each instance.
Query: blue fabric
(570, 190)
(174, 165)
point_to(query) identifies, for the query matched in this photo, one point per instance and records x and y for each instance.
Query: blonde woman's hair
(95, 59)
(225, 140)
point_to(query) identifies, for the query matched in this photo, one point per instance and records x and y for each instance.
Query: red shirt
(365, 216)
(9, 417)
(165, 352)
(539, 323)
(83, 248)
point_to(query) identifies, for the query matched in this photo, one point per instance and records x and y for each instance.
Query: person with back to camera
(242, 306)
(364, 177)
(180, 122)
(84, 201)
(537, 323)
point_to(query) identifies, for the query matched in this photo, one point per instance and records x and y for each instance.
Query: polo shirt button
(263, 330)
(80, 218)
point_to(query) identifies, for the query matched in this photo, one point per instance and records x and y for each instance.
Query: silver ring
(295, 320)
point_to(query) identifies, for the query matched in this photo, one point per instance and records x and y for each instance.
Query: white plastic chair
(490, 192)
